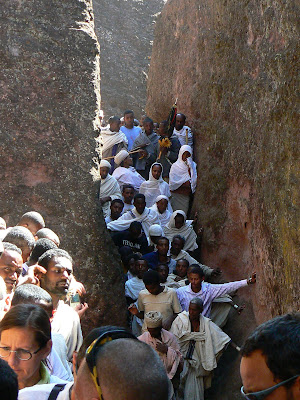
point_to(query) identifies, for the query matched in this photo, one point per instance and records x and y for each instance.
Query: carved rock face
(49, 94)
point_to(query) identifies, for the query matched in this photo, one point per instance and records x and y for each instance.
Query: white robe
(154, 188)
(183, 171)
(164, 218)
(128, 176)
(147, 218)
(187, 231)
(209, 343)
(181, 136)
(109, 187)
(109, 138)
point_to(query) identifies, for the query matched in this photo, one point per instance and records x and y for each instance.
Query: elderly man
(59, 271)
(109, 188)
(270, 365)
(201, 343)
(140, 213)
(125, 173)
(162, 341)
(108, 364)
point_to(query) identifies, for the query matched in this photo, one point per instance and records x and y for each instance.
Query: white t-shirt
(42, 392)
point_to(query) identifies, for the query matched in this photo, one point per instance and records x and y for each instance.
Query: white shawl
(147, 218)
(164, 217)
(109, 187)
(128, 176)
(109, 138)
(179, 172)
(154, 187)
(133, 287)
(187, 231)
(181, 136)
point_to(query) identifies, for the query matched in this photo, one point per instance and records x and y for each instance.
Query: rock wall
(50, 100)
(125, 29)
(232, 67)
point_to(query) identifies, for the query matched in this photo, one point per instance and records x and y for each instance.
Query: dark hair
(8, 382)
(21, 237)
(196, 269)
(162, 265)
(49, 254)
(40, 247)
(34, 217)
(130, 257)
(117, 201)
(113, 119)
(11, 247)
(140, 196)
(162, 238)
(279, 341)
(180, 238)
(147, 119)
(185, 260)
(183, 115)
(28, 316)
(135, 225)
(151, 277)
(30, 294)
(128, 112)
(127, 186)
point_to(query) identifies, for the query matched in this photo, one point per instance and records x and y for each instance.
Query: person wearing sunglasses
(270, 364)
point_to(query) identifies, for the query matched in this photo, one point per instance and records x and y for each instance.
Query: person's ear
(47, 349)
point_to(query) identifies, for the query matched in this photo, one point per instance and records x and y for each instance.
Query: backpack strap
(56, 390)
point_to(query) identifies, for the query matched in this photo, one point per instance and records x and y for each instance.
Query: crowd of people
(175, 312)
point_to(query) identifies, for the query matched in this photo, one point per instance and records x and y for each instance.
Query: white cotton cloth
(121, 156)
(133, 287)
(187, 231)
(155, 187)
(127, 207)
(164, 218)
(109, 187)
(109, 138)
(147, 218)
(181, 136)
(156, 230)
(183, 171)
(105, 163)
(128, 176)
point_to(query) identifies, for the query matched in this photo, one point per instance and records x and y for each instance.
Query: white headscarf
(121, 156)
(187, 231)
(109, 138)
(154, 187)
(164, 217)
(109, 187)
(179, 172)
(105, 163)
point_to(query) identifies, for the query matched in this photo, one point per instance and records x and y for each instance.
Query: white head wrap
(121, 156)
(183, 171)
(155, 230)
(161, 197)
(105, 163)
(153, 319)
(186, 231)
(154, 187)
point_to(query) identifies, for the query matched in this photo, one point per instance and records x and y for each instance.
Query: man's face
(179, 221)
(128, 162)
(181, 268)
(162, 130)
(128, 195)
(154, 288)
(163, 273)
(135, 232)
(115, 210)
(10, 268)
(162, 205)
(196, 282)
(163, 247)
(128, 119)
(115, 126)
(256, 376)
(176, 246)
(179, 123)
(148, 127)
(141, 268)
(156, 172)
(155, 332)
(104, 172)
(57, 279)
(194, 312)
(140, 205)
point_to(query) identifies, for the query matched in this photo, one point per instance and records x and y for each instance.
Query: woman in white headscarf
(183, 179)
(162, 206)
(179, 225)
(109, 188)
(155, 186)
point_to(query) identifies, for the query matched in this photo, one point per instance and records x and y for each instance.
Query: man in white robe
(163, 208)
(183, 132)
(201, 342)
(141, 213)
(109, 188)
(125, 173)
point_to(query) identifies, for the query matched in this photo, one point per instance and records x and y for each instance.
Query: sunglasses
(92, 350)
(262, 394)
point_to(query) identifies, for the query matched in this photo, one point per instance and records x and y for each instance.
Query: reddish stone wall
(50, 94)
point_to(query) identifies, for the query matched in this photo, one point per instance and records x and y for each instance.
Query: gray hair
(197, 301)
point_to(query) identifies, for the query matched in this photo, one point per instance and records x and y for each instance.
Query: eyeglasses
(91, 352)
(22, 354)
(261, 395)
